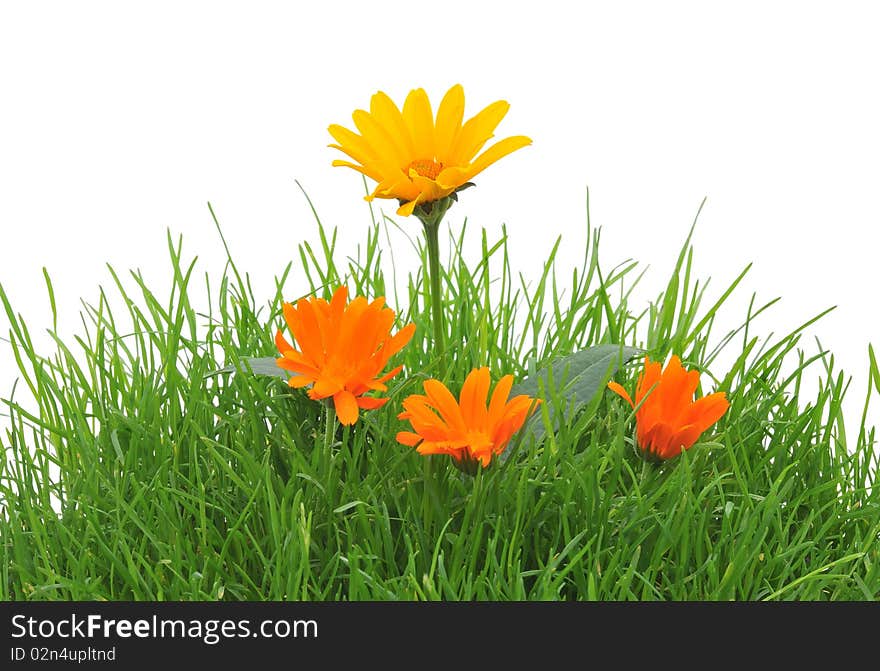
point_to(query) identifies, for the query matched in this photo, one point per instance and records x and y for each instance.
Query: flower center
(426, 167)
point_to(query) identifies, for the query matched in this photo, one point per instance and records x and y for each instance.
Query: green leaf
(574, 380)
(349, 506)
(256, 365)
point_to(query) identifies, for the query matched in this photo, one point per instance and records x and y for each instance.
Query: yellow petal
(351, 143)
(420, 121)
(429, 190)
(407, 208)
(364, 170)
(476, 132)
(401, 188)
(453, 177)
(495, 152)
(389, 116)
(383, 144)
(449, 116)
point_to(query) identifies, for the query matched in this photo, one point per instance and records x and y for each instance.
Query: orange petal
(649, 377)
(432, 447)
(408, 438)
(675, 391)
(684, 438)
(350, 324)
(337, 303)
(288, 363)
(513, 417)
(389, 375)
(482, 451)
(620, 391)
(649, 401)
(473, 398)
(371, 329)
(499, 400)
(370, 403)
(300, 381)
(397, 342)
(346, 407)
(441, 398)
(304, 328)
(704, 412)
(327, 385)
(423, 419)
(282, 345)
(656, 441)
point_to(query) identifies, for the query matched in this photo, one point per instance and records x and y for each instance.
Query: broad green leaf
(574, 380)
(257, 365)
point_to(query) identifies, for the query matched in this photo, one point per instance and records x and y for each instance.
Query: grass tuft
(136, 474)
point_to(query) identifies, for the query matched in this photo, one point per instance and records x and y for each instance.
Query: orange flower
(468, 430)
(417, 157)
(669, 420)
(343, 348)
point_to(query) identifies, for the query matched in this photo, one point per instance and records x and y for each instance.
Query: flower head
(669, 420)
(468, 430)
(343, 348)
(417, 157)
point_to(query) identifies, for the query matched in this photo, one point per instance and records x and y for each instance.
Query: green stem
(433, 238)
(431, 220)
(432, 234)
(330, 427)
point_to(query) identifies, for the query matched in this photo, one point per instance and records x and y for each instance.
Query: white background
(119, 120)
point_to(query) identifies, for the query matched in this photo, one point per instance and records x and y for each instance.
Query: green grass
(136, 474)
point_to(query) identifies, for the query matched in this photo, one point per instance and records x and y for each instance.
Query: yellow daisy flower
(417, 158)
